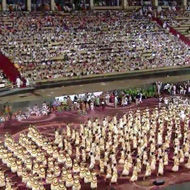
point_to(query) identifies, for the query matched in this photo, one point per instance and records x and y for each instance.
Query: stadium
(94, 94)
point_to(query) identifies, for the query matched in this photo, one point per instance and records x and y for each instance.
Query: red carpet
(8, 68)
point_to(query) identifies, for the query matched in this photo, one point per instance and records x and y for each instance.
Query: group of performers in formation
(8, 114)
(135, 146)
(33, 111)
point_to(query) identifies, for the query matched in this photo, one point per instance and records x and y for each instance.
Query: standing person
(160, 101)
(134, 176)
(92, 105)
(166, 87)
(137, 99)
(140, 97)
(83, 108)
(69, 103)
(10, 111)
(188, 88)
(51, 106)
(115, 101)
(107, 98)
(6, 111)
(185, 89)
(18, 82)
(97, 99)
(158, 86)
(160, 166)
(130, 99)
(122, 100)
(103, 105)
(181, 90)
(174, 90)
(27, 82)
(54, 104)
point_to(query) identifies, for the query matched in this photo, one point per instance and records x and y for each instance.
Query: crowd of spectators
(175, 17)
(81, 44)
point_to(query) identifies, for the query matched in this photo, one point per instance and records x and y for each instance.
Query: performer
(148, 170)
(134, 176)
(76, 184)
(87, 177)
(94, 182)
(176, 163)
(2, 178)
(69, 180)
(160, 167)
(114, 176)
(18, 82)
(109, 172)
(126, 168)
(54, 184)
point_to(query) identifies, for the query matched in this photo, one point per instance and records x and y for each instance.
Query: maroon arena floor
(47, 124)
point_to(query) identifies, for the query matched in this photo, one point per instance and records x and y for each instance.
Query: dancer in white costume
(175, 168)
(76, 184)
(161, 166)
(126, 168)
(2, 178)
(134, 176)
(88, 176)
(153, 161)
(69, 180)
(114, 176)
(109, 172)
(148, 170)
(54, 184)
(94, 182)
